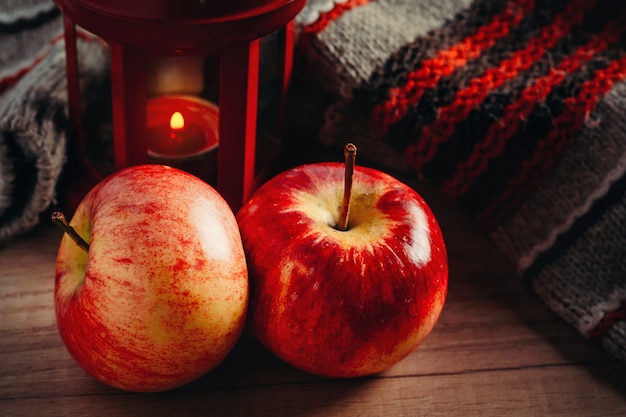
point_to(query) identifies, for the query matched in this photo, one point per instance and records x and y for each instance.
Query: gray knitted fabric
(28, 28)
(33, 109)
(19, 11)
(514, 109)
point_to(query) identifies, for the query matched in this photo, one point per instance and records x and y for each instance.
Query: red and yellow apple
(159, 296)
(342, 303)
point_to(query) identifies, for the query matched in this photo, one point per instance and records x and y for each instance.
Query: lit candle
(182, 131)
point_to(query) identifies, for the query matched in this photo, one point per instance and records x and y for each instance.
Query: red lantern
(186, 88)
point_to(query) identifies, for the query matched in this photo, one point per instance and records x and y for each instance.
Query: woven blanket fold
(33, 112)
(512, 108)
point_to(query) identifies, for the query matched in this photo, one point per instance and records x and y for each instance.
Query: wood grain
(496, 350)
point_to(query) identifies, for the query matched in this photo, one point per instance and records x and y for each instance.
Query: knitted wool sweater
(33, 108)
(512, 108)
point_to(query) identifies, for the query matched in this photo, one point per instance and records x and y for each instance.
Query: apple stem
(59, 219)
(349, 154)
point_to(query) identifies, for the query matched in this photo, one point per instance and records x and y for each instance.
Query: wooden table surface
(496, 351)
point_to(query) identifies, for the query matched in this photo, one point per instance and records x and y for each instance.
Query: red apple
(159, 297)
(342, 303)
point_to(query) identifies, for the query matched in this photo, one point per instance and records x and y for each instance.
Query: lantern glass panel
(182, 113)
(92, 131)
(269, 101)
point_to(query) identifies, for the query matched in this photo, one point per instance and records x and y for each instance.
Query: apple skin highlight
(161, 297)
(342, 303)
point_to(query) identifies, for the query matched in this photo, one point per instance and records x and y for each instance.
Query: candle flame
(177, 121)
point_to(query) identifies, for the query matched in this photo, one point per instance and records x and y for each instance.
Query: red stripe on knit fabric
(564, 128)
(427, 76)
(326, 17)
(9, 80)
(494, 142)
(607, 322)
(424, 150)
(12, 79)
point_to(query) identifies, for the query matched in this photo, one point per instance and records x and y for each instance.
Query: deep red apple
(342, 303)
(157, 296)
